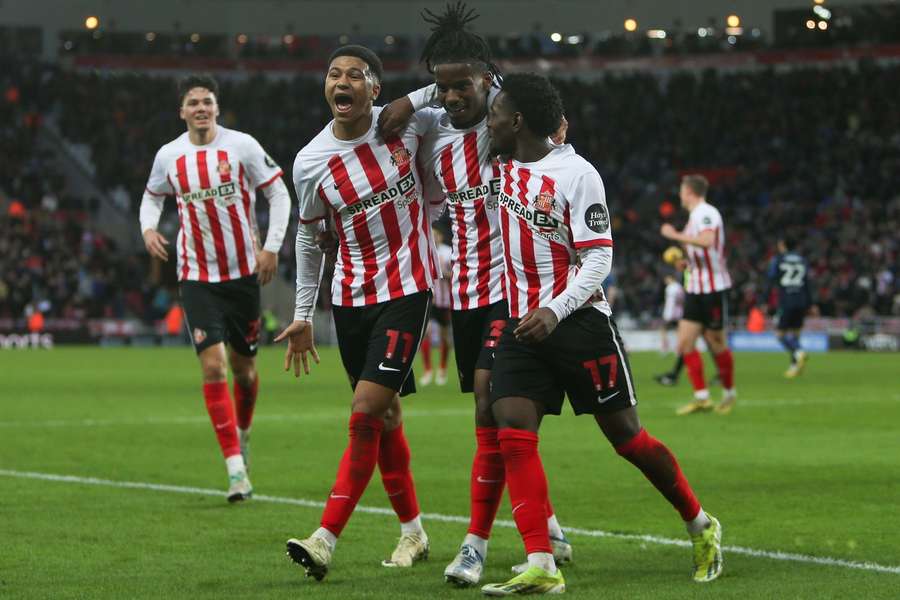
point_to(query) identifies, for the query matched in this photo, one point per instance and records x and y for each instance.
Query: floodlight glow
(92, 22)
(631, 25)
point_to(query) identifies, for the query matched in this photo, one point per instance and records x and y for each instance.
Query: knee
(484, 415)
(629, 443)
(214, 371)
(245, 377)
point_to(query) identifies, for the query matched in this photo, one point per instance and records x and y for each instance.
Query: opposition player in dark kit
(560, 339)
(788, 273)
(368, 188)
(214, 173)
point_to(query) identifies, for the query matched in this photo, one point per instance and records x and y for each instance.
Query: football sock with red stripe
(527, 487)
(221, 413)
(393, 461)
(659, 466)
(425, 350)
(694, 363)
(488, 479)
(725, 362)
(354, 472)
(245, 402)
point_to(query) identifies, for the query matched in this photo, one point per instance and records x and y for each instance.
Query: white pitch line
(651, 539)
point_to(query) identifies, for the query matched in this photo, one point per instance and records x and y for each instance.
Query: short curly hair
(535, 97)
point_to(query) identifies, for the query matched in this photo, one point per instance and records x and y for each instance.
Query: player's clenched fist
(156, 244)
(299, 335)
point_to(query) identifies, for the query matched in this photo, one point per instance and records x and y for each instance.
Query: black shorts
(475, 335)
(583, 358)
(227, 311)
(441, 315)
(791, 317)
(710, 310)
(378, 343)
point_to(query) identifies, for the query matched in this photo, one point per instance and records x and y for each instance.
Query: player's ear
(487, 79)
(376, 89)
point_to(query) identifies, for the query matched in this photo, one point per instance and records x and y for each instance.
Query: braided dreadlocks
(451, 42)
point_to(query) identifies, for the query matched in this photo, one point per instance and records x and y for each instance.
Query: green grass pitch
(807, 467)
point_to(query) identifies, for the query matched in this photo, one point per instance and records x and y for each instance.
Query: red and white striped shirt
(459, 163)
(708, 271)
(215, 190)
(549, 209)
(371, 191)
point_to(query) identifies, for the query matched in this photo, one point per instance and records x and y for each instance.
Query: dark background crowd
(811, 152)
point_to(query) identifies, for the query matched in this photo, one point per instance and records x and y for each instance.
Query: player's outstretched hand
(299, 335)
(394, 118)
(668, 231)
(156, 244)
(266, 265)
(536, 325)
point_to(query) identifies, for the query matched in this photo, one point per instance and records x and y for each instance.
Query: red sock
(354, 472)
(725, 362)
(425, 350)
(488, 479)
(245, 402)
(694, 363)
(527, 487)
(393, 460)
(445, 351)
(221, 413)
(659, 466)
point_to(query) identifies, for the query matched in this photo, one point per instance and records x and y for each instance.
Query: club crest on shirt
(400, 157)
(224, 168)
(199, 335)
(544, 202)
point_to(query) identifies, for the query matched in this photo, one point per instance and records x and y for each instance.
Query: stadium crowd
(811, 152)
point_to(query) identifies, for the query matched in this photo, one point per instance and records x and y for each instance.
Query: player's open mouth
(343, 103)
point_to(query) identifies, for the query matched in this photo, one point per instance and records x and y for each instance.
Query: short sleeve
(589, 220)
(261, 169)
(709, 219)
(158, 184)
(310, 205)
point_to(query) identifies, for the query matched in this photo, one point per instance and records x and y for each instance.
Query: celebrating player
(705, 305)
(214, 173)
(369, 188)
(560, 337)
(457, 154)
(789, 273)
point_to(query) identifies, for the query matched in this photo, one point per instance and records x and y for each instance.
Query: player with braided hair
(458, 163)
